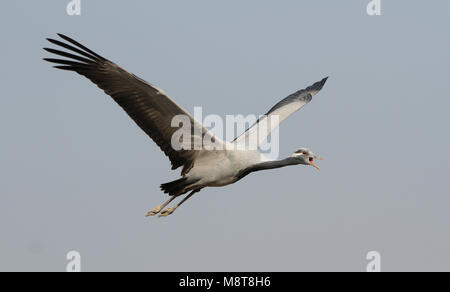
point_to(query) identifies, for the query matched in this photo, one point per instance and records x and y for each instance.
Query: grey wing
(150, 107)
(278, 113)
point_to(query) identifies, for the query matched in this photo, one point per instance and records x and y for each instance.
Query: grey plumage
(303, 95)
(147, 105)
(153, 111)
(282, 110)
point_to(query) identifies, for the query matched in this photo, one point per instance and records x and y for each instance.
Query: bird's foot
(167, 212)
(154, 211)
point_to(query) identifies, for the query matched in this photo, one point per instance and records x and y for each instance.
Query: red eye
(304, 152)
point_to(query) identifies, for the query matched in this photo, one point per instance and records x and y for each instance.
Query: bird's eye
(304, 152)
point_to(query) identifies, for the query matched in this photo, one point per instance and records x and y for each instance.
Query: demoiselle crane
(153, 110)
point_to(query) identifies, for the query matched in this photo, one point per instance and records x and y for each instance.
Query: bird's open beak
(311, 161)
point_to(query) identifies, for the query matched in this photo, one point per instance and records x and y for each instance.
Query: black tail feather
(177, 187)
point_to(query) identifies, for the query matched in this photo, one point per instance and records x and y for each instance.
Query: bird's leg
(169, 211)
(158, 209)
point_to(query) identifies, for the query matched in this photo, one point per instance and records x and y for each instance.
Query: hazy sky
(77, 174)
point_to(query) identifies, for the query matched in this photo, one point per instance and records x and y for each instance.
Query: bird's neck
(278, 163)
(270, 165)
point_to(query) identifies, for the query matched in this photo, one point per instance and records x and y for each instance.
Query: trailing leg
(169, 211)
(158, 209)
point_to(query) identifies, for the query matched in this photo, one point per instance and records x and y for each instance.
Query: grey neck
(270, 165)
(278, 163)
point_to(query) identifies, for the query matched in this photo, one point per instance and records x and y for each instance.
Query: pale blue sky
(77, 174)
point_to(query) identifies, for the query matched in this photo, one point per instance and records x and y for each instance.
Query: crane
(153, 110)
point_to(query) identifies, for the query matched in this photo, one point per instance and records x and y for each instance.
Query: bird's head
(306, 156)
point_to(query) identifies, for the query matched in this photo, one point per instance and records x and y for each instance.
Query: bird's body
(154, 111)
(228, 164)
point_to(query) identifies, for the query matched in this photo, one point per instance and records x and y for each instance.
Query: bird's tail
(179, 186)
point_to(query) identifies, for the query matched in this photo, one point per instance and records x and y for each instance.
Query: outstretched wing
(278, 113)
(150, 107)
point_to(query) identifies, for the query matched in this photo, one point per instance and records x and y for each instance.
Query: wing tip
(318, 85)
(322, 82)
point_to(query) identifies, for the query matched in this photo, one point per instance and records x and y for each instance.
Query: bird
(153, 111)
